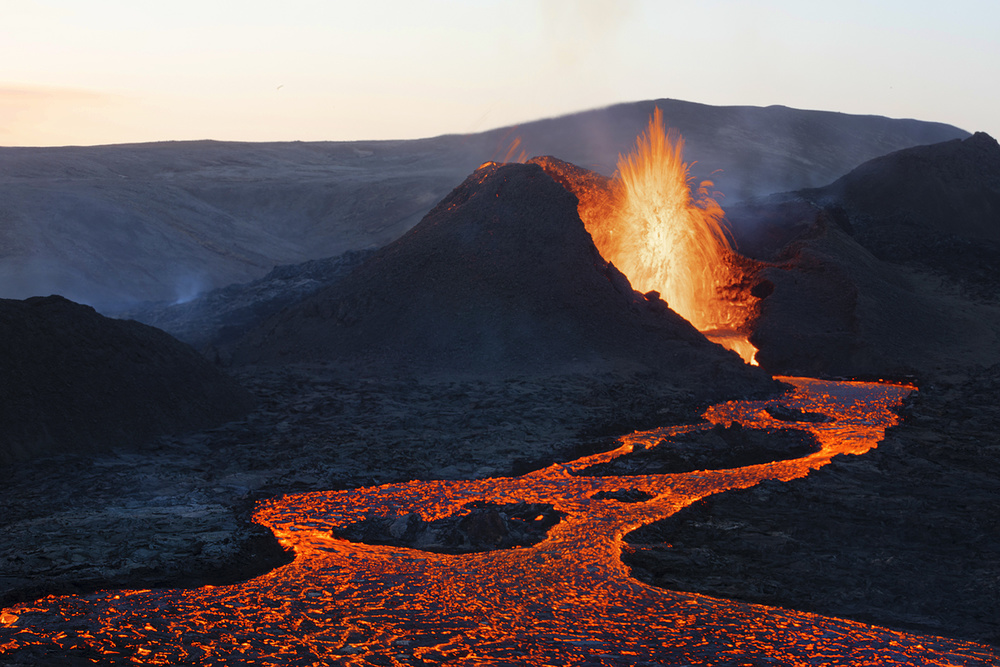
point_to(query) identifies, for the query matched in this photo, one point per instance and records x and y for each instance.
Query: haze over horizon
(119, 72)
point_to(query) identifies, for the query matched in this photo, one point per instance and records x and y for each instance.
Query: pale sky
(112, 71)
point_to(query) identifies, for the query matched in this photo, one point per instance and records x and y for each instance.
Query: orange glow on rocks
(669, 237)
(567, 600)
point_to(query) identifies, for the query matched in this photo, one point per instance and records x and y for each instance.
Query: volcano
(500, 278)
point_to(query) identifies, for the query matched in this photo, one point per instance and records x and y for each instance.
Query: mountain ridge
(117, 224)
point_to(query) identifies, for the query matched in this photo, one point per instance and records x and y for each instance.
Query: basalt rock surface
(74, 380)
(500, 279)
(483, 527)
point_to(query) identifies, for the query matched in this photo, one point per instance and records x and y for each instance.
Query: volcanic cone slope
(73, 380)
(501, 278)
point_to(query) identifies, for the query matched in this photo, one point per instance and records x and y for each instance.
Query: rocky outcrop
(483, 527)
(501, 278)
(73, 380)
(888, 271)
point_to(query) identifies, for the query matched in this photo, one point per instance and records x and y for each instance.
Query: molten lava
(569, 600)
(670, 238)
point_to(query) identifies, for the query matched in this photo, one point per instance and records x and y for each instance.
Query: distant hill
(113, 225)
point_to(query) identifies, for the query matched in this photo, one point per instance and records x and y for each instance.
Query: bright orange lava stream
(566, 601)
(668, 239)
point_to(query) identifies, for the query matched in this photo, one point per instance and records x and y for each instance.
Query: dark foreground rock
(501, 279)
(175, 513)
(73, 380)
(482, 527)
(721, 447)
(906, 536)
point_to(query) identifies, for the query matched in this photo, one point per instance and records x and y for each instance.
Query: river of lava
(568, 600)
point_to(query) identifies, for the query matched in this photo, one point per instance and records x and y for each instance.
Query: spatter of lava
(568, 600)
(666, 235)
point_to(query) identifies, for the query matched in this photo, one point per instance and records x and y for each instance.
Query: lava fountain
(669, 237)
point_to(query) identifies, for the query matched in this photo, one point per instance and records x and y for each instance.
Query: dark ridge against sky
(115, 71)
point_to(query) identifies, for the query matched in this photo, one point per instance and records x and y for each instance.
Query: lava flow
(568, 600)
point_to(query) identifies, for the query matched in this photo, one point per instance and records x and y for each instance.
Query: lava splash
(668, 236)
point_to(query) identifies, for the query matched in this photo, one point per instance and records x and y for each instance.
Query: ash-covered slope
(115, 225)
(73, 380)
(500, 278)
(891, 269)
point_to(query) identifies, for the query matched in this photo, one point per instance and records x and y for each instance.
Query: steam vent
(500, 278)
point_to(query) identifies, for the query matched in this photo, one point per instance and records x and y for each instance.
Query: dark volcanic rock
(484, 527)
(934, 206)
(898, 206)
(906, 536)
(719, 448)
(786, 414)
(835, 309)
(75, 380)
(624, 495)
(891, 270)
(500, 278)
(946, 188)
